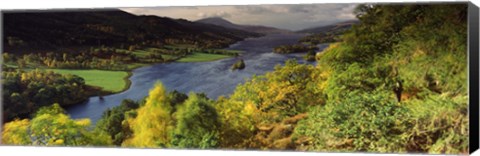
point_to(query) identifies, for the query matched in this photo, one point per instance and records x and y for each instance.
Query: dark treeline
(296, 48)
(105, 58)
(189, 50)
(320, 38)
(326, 34)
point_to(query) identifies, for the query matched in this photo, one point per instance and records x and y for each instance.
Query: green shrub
(438, 124)
(197, 124)
(361, 122)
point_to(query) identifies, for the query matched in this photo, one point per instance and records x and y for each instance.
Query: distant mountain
(110, 27)
(250, 28)
(330, 28)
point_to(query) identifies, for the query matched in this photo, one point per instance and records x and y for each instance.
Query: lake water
(213, 78)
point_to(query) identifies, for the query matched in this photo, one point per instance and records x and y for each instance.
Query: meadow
(114, 81)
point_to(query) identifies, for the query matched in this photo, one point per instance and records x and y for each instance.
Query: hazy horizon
(278, 16)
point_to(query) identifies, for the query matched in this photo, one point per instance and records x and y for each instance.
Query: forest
(321, 35)
(394, 82)
(25, 92)
(296, 48)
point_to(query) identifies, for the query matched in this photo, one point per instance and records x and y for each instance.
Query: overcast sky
(292, 17)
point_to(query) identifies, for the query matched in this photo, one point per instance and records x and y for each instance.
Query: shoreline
(129, 72)
(128, 82)
(95, 106)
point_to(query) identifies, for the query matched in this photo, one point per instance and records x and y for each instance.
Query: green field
(109, 80)
(141, 53)
(199, 55)
(202, 57)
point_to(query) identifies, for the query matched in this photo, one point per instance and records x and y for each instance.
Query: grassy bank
(108, 69)
(114, 81)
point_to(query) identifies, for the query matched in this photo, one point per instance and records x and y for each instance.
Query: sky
(291, 17)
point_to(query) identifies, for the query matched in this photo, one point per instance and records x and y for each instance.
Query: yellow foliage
(322, 79)
(418, 52)
(15, 132)
(153, 123)
(24, 77)
(250, 108)
(235, 115)
(83, 122)
(51, 126)
(58, 142)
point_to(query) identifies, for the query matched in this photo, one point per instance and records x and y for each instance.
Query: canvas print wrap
(383, 78)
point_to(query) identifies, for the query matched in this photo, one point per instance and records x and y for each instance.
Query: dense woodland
(316, 36)
(396, 82)
(25, 92)
(295, 48)
(308, 43)
(319, 38)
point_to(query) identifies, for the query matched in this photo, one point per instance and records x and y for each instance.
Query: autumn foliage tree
(52, 127)
(153, 123)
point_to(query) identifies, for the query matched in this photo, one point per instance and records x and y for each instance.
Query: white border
(72, 4)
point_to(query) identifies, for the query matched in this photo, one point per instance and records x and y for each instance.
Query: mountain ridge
(108, 27)
(250, 28)
(331, 27)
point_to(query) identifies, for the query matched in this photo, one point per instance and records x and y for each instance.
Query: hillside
(250, 28)
(112, 27)
(330, 28)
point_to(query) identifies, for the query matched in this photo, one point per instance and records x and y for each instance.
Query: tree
(310, 56)
(197, 124)
(7, 57)
(112, 121)
(64, 56)
(286, 91)
(26, 91)
(16, 133)
(153, 123)
(176, 98)
(131, 48)
(51, 126)
(21, 64)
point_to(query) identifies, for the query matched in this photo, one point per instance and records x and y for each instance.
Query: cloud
(262, 9)
(304, 9)
(222, 14)
(253, 9)
(347, 12)
(293, 17)
(190, 7)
